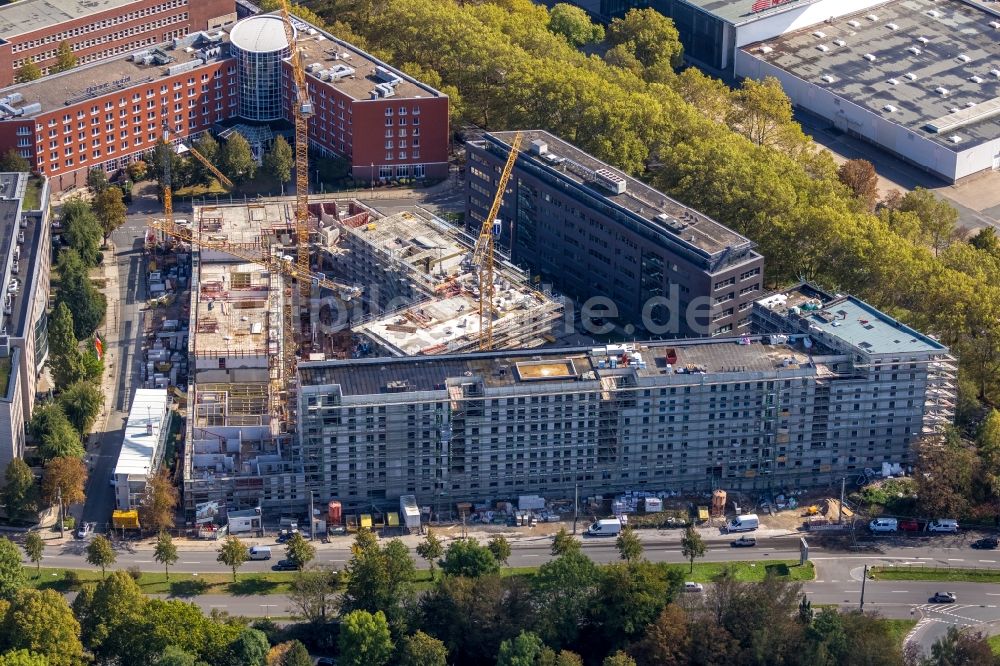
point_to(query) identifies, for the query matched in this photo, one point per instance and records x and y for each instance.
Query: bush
(134, 572)
(72, 579)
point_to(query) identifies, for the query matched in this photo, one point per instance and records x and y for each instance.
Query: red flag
(98, 347)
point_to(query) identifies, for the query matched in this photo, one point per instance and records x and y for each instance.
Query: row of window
(98, 25)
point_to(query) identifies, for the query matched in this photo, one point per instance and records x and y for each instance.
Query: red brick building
(112, 112)
(98, 29)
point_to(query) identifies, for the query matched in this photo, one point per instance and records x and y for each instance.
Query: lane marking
(190, 562)
(899, 591)
(144, 561)
(990, 561)
(955, 559)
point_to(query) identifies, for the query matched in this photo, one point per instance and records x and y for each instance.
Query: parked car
(943, 525)
(285, 565)
(883, 525)
(986, 543)
(909, 526)
(85, 530)
(744, 542)
(694, 587)
(326, 661)
(943, 598)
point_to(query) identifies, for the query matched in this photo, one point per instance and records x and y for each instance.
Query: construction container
(125, 520)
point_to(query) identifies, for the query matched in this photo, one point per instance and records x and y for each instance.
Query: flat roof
(26, 241)
(259, 34)
(685, 225)
(26, 16)
(745, 11)
(851, 321)
(915, 63)
(232, 309)
(574, 367)
(149, 406)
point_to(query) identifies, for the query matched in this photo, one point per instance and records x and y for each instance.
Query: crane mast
(483, 255)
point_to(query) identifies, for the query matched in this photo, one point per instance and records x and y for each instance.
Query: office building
(113, 111)
(593, 231)
(842, 388)
(25, 258)
(94, 30)
(918, 78)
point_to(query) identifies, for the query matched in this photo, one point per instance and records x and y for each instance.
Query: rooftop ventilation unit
(914, 50)
(539, 147)
(892, 26)
(889, 108)
(976, 79)
(944, 92)
(995, 25)
(953, 109)
(854, 24)
(969, 105)
(384, 75)
(872, 17)
(611, 180)
(765, 49)
(315, 67)
(963, 57)
(933, 13)
(827, 78)
(869, 57)
(819, 34)
(995, 72)
(893, 81)
(823, 47)
(923, 40)
(840, 42)
(954, 138)
(911, 76)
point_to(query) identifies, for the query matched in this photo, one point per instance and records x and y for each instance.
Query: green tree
(564, 591)
(574, 24)
(111, 614)
(312, 592)
(938, 218)
(761, 111)
(29, 71)
(563, 543)
(64, 477)
(500, 548)
(65, 360)
(34, 548)
(629, 597)
(628, 544)
(379, 579)
(279, 160)
(422, 650)
(233, 554)
(550, 657)
(365, 639)
(944, 471)
(651, 37)
(466, 557)
(86, 304)
(54, 433)
(430, 549)
(299, 551)
(12, 576)
(41, 622)
(81, 403)
(692, 545)
(109, 206)
(237, 159)
(97, 180)
(165, 552)
(524, 650)
(618, 659)
(249, 649)
(667, 641)
(20, 494)
(137, 171)
(100, 553)
(175, 656)
(12, 161)
(23, 658)
(297, 655)
(65, 60)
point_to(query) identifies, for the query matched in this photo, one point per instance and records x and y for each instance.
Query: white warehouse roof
(149, 407)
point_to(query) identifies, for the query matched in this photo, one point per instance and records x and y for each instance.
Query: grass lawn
(898, 628)
(5, 368)
(201, 190)
(33, 194)
(994, 642)
(179, 585)
(748, 572)
(935, 573)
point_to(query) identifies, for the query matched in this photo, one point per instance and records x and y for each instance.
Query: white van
(745, 523)
(606, 527)
(260, 553)
(883, 525)
(943, 525)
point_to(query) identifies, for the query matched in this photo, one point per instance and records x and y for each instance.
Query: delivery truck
(605, 527)
(745, 523)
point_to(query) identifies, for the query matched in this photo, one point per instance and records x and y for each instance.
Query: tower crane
(302, 109)
(483, 255)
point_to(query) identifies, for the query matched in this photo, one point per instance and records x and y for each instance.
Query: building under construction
(405, 286)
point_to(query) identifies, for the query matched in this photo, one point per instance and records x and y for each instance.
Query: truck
(410, 512)
(605, 527)
(744, 523)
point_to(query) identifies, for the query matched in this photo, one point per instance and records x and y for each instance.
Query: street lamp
(372, 171)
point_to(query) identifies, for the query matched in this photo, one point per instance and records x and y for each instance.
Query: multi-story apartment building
(593, 231)
(112, 112)
(25, 253)
(33, 29)
(843, 393)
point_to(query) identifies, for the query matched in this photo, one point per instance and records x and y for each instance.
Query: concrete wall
(800, 17)
(911, 146)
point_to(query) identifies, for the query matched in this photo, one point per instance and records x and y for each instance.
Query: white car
(943, 525)
(696, 588)
(85, 530)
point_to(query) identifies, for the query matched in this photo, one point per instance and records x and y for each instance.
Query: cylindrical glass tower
(259, 45)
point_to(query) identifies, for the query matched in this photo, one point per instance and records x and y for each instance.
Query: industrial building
(918, 78)
(843, 388)
(113, 111)
(146, 432)
(593, 231)
(25, 260)
(422, 291)
(94, 30)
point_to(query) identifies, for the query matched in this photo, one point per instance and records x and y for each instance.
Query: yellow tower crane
(302, 109)
(483, 255)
